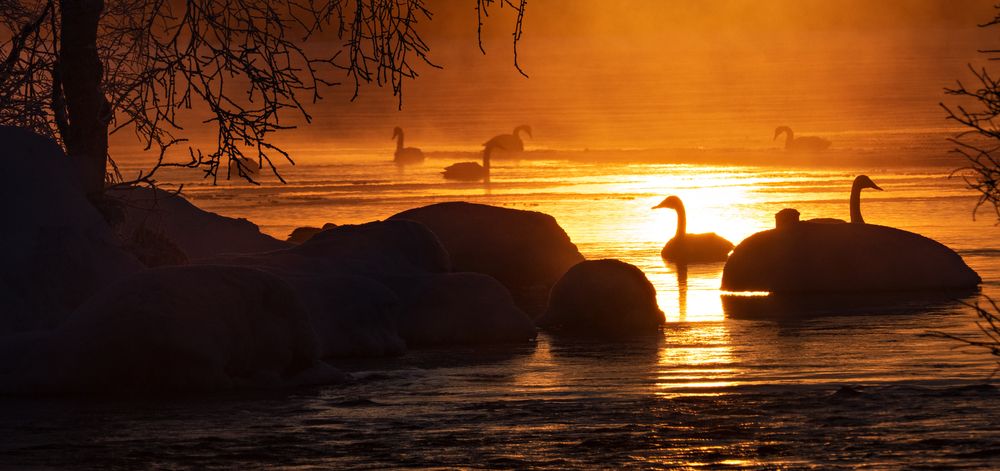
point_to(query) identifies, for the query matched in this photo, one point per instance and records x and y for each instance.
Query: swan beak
(877, 188)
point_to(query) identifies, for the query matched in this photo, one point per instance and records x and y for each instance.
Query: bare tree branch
(245, 69)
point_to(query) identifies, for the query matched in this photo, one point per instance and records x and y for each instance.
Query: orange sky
(662, 73)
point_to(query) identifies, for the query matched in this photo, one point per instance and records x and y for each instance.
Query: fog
(682, 74)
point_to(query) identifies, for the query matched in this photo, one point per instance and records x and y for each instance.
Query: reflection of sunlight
(696, 359)
(616, 220)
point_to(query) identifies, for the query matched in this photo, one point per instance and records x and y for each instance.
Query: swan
(510, 142)
(692, 248)
(249, 167)
(823, 257)
(471, 171)
(405, 155)
(805, 143)
(861, 182)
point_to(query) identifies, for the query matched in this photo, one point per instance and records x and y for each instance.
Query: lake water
(864, 389)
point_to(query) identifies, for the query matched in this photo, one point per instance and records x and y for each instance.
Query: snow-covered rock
(458, 308)
(189, 328)
(198, 233)
(379, 248)
(375, 288)
(304, 233)
(57, 250)
(527, 251)
(603, 298)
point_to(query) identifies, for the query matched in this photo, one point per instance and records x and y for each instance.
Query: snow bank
(57, 250)
(178, 328)
(527, 251)
(603, 298)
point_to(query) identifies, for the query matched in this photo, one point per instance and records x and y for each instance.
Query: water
(712, 390)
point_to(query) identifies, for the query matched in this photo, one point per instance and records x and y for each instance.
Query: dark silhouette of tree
(979, 143)
(79, 70)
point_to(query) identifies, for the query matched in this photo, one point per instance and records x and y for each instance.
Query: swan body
(405, 155)
(471, 171)
(802, 143)
(692, 248)
(249, 166)
(823, 257)
(510, 142)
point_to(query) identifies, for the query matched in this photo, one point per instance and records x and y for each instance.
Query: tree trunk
(88, 111)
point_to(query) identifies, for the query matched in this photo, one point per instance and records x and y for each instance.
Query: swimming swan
(692, 248)
(510, 142)
(471, 171)
(819, 257)
(243, 167)
(405, 155)
(801, 144)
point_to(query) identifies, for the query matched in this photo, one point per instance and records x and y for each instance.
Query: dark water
(860, 387)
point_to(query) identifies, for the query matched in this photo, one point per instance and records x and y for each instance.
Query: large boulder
(374, 288)
(57, 250)
(527, 251)
(352, 316)
(603, 298)
(378, 248)
(191, 328)
(457, 309)
(814, 257)
(198, 233)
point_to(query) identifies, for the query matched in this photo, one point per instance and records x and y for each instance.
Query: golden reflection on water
(696, 359)
(726, 201)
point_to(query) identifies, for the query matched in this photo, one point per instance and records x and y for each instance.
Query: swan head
(781, 129)
(671, 202)
(396, 132)
(862, 182)
(525, 128)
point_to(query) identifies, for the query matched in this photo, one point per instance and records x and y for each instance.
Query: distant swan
(692, 248)
(805, 143)
(510, 142)
(820, 257)
(405, 155)
(249, 167)
(471, 171)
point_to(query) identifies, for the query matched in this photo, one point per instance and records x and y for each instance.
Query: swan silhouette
(692, 248)
(243, 166)
(510, 142)
(818, 257)
(405, 155)
(471, 171)
(800, 144)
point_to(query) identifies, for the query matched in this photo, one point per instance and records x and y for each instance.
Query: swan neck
(486, 157)
(681, 222)
(789, 137)
(856, 205)
(399, 141)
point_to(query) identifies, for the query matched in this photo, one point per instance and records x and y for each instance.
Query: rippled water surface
(864, 387)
